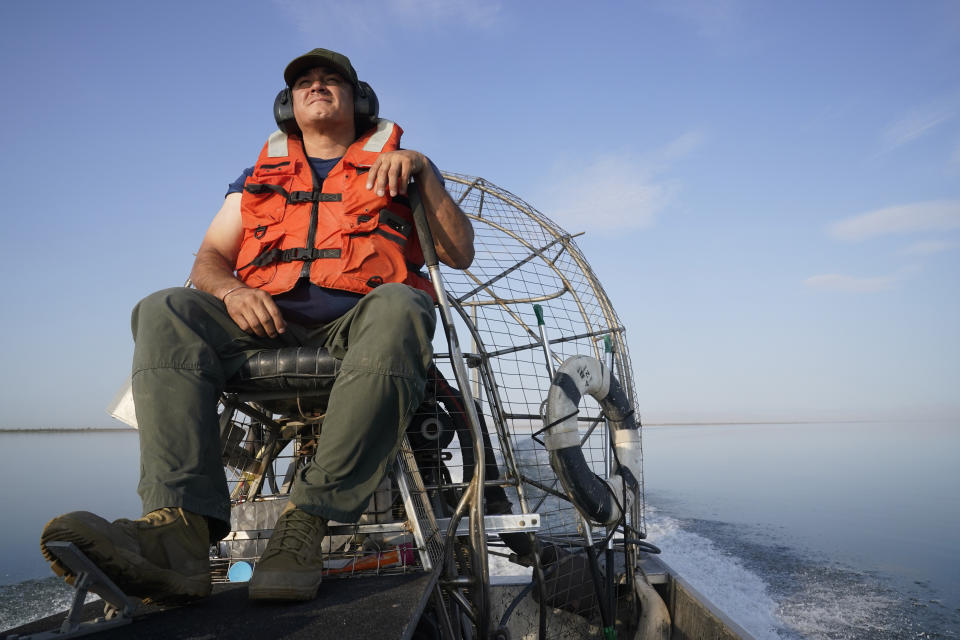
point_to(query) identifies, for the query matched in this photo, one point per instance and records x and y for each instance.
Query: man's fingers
(387, 178)
(250, 323)
(393, 170)
(393, 178)
(277, 317)
(242, 323)
(256, 328)
(269, 319)
(256, 313)
(268, 314)
(404, 179)
(375, 179)
(266, 322)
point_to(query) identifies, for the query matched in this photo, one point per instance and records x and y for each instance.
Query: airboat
(516, 504)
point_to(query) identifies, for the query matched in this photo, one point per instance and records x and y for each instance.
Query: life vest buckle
(299, 197)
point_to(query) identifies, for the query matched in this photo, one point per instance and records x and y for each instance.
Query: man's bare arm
(253, 310)
(452, 231)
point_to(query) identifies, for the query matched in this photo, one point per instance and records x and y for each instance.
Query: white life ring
(590, 494)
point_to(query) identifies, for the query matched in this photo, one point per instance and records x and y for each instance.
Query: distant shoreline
(704, 423)
(725, 423)
(70, 430)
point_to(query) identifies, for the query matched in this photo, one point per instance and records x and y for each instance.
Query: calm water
(797, 531)
(55, 473)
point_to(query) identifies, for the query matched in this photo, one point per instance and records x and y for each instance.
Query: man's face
(322, 95)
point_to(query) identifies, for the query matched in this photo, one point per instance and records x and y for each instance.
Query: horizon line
(697, 423)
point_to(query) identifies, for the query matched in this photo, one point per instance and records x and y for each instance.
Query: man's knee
(159, 306)
(398, 301)
(396, 324)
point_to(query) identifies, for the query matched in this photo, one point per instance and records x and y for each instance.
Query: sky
(770, 191)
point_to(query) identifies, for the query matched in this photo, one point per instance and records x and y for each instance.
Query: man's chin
(325, 121)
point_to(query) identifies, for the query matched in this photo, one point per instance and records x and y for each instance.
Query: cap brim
(310, 60)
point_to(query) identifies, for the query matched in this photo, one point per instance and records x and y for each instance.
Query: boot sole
(281, 593)
(277, 584)
(134, 574)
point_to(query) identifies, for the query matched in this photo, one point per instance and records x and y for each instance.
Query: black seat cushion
(290, 371)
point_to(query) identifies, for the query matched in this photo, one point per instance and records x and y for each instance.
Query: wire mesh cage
(523, 259)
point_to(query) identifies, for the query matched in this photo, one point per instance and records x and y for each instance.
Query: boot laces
(296, 532)
(165, 516)
(159, 516)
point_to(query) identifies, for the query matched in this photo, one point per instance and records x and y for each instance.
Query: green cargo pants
(187, 347)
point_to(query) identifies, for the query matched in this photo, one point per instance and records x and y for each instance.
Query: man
(318, 250)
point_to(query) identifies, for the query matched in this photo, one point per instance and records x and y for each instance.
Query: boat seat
(284, 394)
(289, 380)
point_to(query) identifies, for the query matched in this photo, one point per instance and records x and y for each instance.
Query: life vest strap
(299, 254)
(395, 222)
(313, 196)
(380, 232)
(296, 197)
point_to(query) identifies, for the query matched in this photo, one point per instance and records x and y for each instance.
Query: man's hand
(255, 312)
(393, 170)
(452, 231)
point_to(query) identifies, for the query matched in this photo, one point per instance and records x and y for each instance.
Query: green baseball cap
(320, 58)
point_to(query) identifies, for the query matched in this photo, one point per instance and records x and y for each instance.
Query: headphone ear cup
(283, 112)
(366, 106)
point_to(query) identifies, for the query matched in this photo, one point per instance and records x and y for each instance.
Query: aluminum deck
(345, 609)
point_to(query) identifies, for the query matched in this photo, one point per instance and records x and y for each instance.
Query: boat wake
(31, 600)
(714, 572)
(778, 592)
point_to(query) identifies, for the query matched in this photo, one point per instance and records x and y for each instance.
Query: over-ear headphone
(366, 108)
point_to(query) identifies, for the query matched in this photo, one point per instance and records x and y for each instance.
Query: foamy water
(776, 593)
(33, 599)
(720, 576)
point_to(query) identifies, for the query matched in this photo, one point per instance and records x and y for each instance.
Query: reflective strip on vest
(380, 136)
(277, 144)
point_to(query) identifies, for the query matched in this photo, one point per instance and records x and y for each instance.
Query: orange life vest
(342, 236)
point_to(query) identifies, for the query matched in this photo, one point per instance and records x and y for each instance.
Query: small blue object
(240, 572)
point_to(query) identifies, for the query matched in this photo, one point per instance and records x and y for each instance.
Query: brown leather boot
(163, 557)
